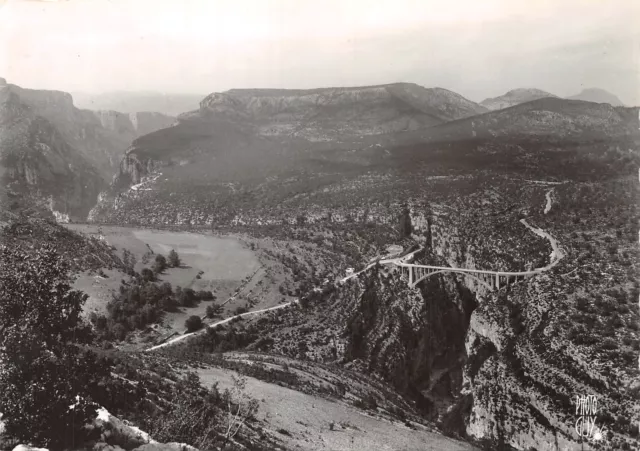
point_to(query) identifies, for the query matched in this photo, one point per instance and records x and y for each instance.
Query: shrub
(193, 323)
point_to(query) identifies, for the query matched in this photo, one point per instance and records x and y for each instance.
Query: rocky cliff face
(133, 125)
(101, 136)
(57, 155)
(38, 162)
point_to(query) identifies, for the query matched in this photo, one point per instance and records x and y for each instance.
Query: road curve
(382, 262)
(224, 321)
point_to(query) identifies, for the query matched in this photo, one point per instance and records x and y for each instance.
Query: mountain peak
(515, 97)
(597, 95)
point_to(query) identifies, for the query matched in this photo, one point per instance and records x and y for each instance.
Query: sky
(478, 48)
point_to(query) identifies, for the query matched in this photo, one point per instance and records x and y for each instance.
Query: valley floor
(222, 264)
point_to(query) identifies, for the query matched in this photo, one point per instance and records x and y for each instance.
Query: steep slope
(39, 163)
(598, 96)
(515, 97)
(102, 136)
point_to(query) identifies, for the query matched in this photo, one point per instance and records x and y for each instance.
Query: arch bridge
(492, 280)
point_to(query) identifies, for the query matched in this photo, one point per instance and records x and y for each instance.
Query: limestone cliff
(101, 136)
(39, 163)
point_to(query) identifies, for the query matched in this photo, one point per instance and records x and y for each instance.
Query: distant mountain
(133, 102)
(598, 96)
(515, 97)
(241, 142)
(333, 113)
(239, 128)
(550, 118)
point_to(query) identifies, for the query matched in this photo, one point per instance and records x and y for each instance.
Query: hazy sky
(479, 48)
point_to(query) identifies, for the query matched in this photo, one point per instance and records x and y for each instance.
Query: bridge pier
(497, 281)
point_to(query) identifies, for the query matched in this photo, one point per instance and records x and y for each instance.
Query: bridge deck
(475, 271)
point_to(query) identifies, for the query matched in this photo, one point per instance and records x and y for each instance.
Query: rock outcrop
(116, 434)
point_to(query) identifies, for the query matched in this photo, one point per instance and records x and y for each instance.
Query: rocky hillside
(515, 97)
(598, 96)
(250, 135)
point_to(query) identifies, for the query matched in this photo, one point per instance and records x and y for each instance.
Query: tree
(147, 275)
(174, 259)
(44, 368)
(193, 323)
(186, 297)
(160, 264)
(405, 227)
(213, 310)
(244, 409)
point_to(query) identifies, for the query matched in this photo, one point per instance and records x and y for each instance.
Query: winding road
(224, 321)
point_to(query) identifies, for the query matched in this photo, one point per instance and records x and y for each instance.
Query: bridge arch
(492, 280)
(452, 270)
